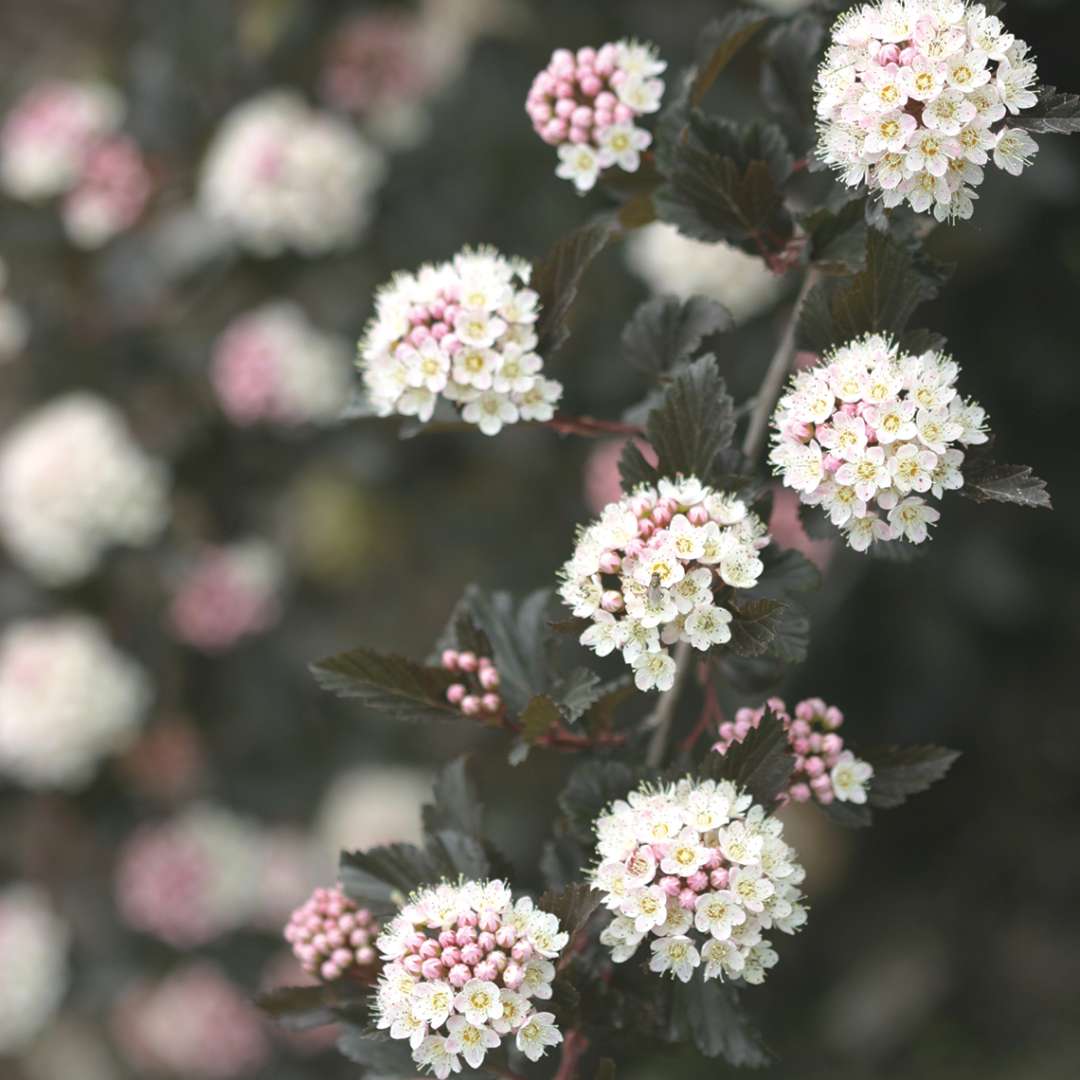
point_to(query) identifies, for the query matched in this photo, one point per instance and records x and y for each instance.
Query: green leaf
(724, 184)
(900, 771)
(558, 275)
(376, 1050)
(601, 713)
(665, 332)
(389, 684)
(381, 879)
(791, 634)
(987, 481)
(881, 298)
(573, 905)
(460, 633)
(849, 815)
(576, 692)
(299, 1008)
(454, 854)
(786, 571)
(720, 41)
(717, 1023)
(921, 341)
(562, 861)
(591, 788)
(792, 54)
(837, 238)
(518, 632)
(695, 422)
(753, 626)
(538, 718)
(633, 467)
(762, 763)
(1053, 114)
(456, 802)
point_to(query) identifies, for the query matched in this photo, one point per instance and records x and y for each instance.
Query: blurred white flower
(33, 958)
(670, 263)
(281, 175)
(72, 482)
(67, 699)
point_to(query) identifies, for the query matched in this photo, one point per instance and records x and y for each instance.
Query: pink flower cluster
(824, 770)
(586, 104)
(476, 693)
(194, 1023)
(331, 936)
(231, 592)
(62, 139)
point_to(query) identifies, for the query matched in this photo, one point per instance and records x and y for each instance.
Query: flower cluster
(67, 699)
(586, 104)
(33, 957)
(872, 426)
(465, 330)
(463, 963)
(649, 571)
(478, 690)
(281, 175)
(704, 871)
(188, 880)
(331, 936)
(908, 97)
(62, 139)
(823, 769)
(231, 592)
(273, 365)
(72, 482)
(14, 327)
(194, 1023)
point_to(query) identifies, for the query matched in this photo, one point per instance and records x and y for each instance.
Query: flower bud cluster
(463, 964)
(63, 139)
(585, 103)
(462, 330)
(650, 573)
(704, 872)
(871, 429)
(823, 769)
(273, 365)
(477, 693)
(908, 98)
(332, 936)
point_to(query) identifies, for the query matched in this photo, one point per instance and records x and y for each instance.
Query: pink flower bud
(718, 878)
(611, 601)
(499, 959)
(459, 975)
(447, 939)
(450, 956)
(472, 954)
(815, 740)
(513, 976)
(670, 885)
(467, 661)
(433, 969)
(697, 515)
(821, 783)
(455, 693)
(586, 55)
(800, 746)
(365, 955)
(486, 940)
(662, 516)
(486, 970)
(471, 705)
(489, 677)
(688, 899)
(522, 952)
(800, 792)
(814, 766)
(467, 932)
(698, 881)
(330, 970)
(715, 859)
(505, 937)
(623, 113)
(491, 703)
(591, 86)
(489, 921)
(429, 949)
(832, 743)
(581, 116)
(727, 730)
(833, 717)
(413, 964)
(610, 561)
(450, 659)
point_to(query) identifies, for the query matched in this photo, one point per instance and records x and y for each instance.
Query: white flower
(849, 778)
(579, 163)
(621, 144)
(67, 699)
(490, 411)
(73, 482)
(675, 954)
(537, 1034)
(912, 469)
(1014, 150)
(539, 401)
(471, 1041)
(436, 1054)
(707, 625)
(716, 913)
(911, 518)
(654, 671)
(281, 175)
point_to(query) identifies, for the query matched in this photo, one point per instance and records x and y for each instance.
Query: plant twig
(662, 717)
(574, 1045)
(775, 374)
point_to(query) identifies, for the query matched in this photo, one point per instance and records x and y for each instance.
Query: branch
(663, 715)
(777, 371)
(574, 1045)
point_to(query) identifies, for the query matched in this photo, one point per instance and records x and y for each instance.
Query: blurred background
(171, 781)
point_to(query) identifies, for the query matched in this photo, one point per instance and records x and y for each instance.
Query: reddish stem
(590, 426)
(711, 712)
(574, 1045)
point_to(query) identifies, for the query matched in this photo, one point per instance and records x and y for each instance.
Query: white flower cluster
(465, 330)
(272, 364)
(14, 327)
(647, 573)
(33, 958)
(702, 870)
(67, 699)
(908, 96)
(673, 264)
(72, 482)
(870, 427)
(281, 175)
(463, 963)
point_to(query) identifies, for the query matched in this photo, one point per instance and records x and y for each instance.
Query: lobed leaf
(762, 763)
(299, 1008)
(900, 771)
(716, 1022)
(456, 802)
(987, 481)
(665, 332)
(792, 54)
(538, 718)
(1054, 114)
(573, 905)
(721, 40)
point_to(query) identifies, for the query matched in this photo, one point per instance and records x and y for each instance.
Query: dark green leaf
(298, 1007)
(633, 467)
(562, 861)
(390, 684)
(816, 524)
(792, 53)
(900, 771)
(381, 879)
(753, 626)
(762, 763)
(454, 854)
(695, 422)
(601, 714)
(576, 692)
(880, 298)
(786, 571)
(791, 634)
(849, 815)
(456, 802)
(460, 633)
(375, 1049)
(538, 718)
(724, 184)
(717, 1023)
(665, 331)
(837, 239)
(1053, 114)
(517, 630)
(572, 905)
(558, 275)
(921, 341)
(721, 39)
(592, 786)
(987, 481)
